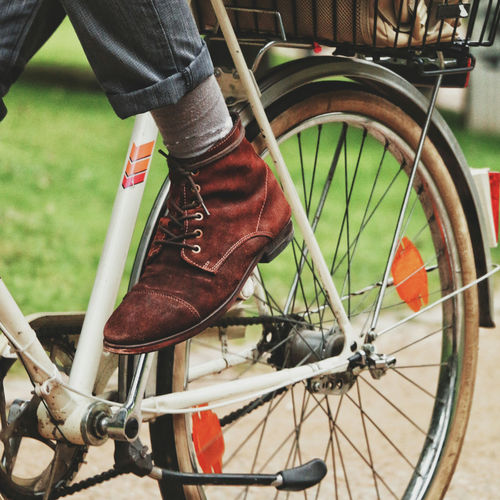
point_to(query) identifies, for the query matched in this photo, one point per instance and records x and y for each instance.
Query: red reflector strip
(495, 197)
(467, 76)
(132, 181)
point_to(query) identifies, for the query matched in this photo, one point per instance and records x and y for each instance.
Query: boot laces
(178, 214)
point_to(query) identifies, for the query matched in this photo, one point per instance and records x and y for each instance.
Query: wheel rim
(381, 438)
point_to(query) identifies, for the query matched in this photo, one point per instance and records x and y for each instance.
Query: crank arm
(124, 424)
(295, 479)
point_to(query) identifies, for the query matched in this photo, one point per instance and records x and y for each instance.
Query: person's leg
(146, 54)
(201, 119)
(226, 211)
(141, 61)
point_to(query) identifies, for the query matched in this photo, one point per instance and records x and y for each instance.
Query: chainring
(27, 464)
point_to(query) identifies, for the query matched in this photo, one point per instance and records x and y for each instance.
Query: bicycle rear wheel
(392, 434)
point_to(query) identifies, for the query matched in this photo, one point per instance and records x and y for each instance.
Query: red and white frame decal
(138, 164)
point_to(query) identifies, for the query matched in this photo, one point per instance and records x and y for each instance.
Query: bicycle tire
(349, 119)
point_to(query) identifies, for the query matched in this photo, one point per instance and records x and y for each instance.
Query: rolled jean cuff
(167, 91)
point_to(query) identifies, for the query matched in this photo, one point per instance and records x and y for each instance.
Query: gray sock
(196, 122)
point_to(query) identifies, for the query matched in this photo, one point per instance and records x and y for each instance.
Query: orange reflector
(409, 275)
(208, 441)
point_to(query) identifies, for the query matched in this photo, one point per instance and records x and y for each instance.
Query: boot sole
(270, 252)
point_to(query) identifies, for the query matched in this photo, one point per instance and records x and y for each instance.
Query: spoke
(333, 421)
(317, 286)
(425, 391)
(364, 220)
(261, 437)
(298, 425)
(418, 234)
(251, 432)
(370, 458)
(287, 437)
(339, 449)
(411, 344)
(348, 190)
(387, 400)
(257, 450)
(398, 304)
(295, 444)
(302, 171)
(315, 165)
(428, 365)
(269, 301)
(319, 211)
(347, 276)
(331, 427)
(334, 267)
(302, 289)
(363, 458)
(384, 435)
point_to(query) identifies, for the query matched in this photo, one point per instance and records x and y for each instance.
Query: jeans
(145, 53)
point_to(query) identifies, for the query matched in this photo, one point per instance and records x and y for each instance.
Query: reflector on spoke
(410, 276)
(208, 441)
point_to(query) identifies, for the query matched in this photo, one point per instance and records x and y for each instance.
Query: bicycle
(367, 324)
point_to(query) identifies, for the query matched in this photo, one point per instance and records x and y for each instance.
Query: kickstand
(133, 457)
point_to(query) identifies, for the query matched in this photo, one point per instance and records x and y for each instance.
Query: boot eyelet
(194, 173)
(198, 216)
(197, 188)
(199, 233)
(196, 249)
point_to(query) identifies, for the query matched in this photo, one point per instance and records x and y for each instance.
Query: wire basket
(359, 24)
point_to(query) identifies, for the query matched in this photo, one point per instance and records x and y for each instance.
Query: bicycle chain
(237, 321)
(256, 403)
(64, 491)
(253, 405)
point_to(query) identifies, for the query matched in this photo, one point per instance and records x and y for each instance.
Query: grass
(62, 51)
(62, 153)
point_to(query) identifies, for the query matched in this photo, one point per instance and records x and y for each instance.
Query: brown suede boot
(226, 212)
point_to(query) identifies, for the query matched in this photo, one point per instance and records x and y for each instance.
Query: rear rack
(409, 30)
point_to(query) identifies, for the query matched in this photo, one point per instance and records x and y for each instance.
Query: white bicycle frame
(68, 403)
